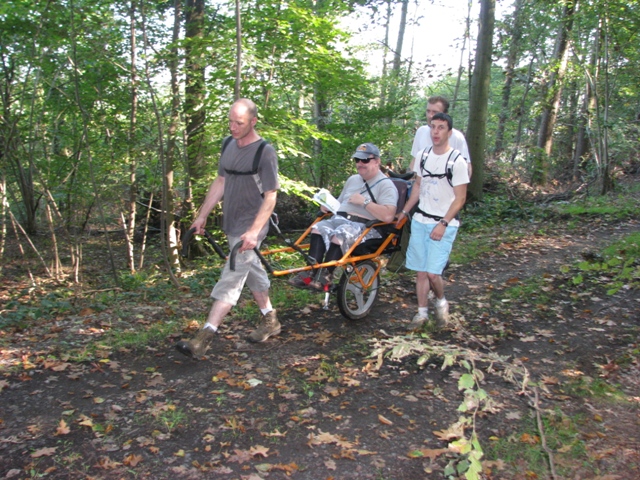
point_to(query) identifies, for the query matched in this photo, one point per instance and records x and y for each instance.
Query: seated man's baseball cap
(363, 151)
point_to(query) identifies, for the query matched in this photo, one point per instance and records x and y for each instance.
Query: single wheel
(358, 290)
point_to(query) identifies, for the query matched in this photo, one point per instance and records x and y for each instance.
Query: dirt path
(308, 404)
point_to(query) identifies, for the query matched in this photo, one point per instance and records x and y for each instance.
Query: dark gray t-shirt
(242, 198)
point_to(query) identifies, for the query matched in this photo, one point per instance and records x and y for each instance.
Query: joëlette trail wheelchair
(357, 272)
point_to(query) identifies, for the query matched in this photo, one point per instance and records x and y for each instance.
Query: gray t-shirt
(242, 198)
(384, 191)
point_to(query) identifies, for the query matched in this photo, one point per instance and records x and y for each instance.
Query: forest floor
(312, 403)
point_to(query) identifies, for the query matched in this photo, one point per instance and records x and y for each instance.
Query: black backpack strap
(225, 144)
(423, 160)
(256, 162)
(450, 164)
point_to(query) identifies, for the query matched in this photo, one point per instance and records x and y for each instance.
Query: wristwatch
(444, 222)
(366, 202)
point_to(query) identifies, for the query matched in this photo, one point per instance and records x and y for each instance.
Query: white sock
(265, 310)
(423, 311)
(212, 327)
(441, 301)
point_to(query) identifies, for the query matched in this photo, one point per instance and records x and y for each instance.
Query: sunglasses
(364, 160)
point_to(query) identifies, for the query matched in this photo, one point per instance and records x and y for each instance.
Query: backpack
(256, 163)
(448, 169)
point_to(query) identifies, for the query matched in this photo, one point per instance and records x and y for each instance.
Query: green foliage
(592, 388)
(620, 206)
(562, 432)
(496, 210)
(618, 267)
(21, 312)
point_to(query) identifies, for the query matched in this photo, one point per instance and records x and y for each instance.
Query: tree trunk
(384, 87)
(553, 89)
(130, 224)
(467, 33)
(479, 97)
(164, 227)
(515, 34)
(195, 64)
(172, 131)
(588, 107)
(397, 56)
(238, 51)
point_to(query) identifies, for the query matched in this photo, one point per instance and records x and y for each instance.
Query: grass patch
(530, 290)
(617, 267)
(523, 452)
(137, 338)
(620, 206)
(592, 388)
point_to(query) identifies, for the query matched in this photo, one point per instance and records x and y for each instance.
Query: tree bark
(467, 32)
(194, 107)
(515, 33)
(553, 89)
(172, 133)
(130, 224)
(588, 105)
(479, 97)
(238, 51)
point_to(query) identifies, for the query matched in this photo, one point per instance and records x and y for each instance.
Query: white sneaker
(442, 313)
(418, 321)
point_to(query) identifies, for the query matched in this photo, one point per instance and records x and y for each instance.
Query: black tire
(354, 300)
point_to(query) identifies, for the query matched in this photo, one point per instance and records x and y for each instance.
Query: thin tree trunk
(84, 142)
(130, 222)
(4, 206)
(467, 32)
(162, 160)
(553, 89)
(238, 51)
(14, 224)
(606, 178)
(384, 84)
(515, 34)
(16, 227)
(395, 81)
(143, 247)
(194, 106)
(170, 159)
(588, 105)
(479, 97)
(56, 267)
(397, 56)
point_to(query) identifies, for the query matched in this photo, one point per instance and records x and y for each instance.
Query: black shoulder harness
(256, 158)
(448, 171)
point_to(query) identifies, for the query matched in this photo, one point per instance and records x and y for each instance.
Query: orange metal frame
(347, 259)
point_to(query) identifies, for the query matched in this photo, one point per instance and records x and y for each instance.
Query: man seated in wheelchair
(368, 195)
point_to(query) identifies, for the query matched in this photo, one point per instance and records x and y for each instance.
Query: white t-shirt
(436, 195)
(422, 140)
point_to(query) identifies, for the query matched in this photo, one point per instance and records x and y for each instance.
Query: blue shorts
(425, 254)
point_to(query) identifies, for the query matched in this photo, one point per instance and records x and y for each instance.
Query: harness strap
(422, 212)
(448, 168)
(353, 218)
(256, 163)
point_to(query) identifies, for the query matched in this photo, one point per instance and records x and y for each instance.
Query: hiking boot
(198, 345)
(301, 280)
(418, 321)
(442, 313)
(268, 327)
(322, 279)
